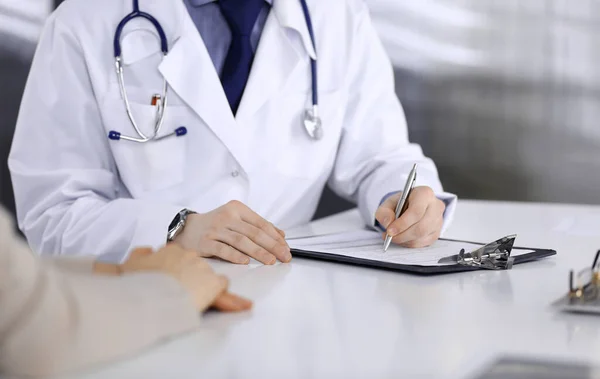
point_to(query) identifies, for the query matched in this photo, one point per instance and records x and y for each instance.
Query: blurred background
(503, 94)
(21, 22)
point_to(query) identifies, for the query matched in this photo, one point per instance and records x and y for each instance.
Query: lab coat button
(235, 173)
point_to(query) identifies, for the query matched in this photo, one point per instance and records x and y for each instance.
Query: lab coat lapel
(277, 55)
(191, 74)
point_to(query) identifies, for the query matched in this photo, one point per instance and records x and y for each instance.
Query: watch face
(175, 221)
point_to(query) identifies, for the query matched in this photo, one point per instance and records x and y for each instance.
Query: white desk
(322, 320)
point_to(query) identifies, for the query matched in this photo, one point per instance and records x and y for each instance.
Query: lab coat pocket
(301, 156)
(155, 165)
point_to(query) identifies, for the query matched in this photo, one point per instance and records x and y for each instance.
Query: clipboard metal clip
(493, 256)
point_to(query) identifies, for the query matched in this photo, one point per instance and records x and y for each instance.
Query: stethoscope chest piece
(313, 124)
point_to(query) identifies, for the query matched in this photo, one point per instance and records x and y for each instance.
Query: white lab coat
(77, 192)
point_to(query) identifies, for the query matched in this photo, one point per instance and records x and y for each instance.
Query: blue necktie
(241, 15)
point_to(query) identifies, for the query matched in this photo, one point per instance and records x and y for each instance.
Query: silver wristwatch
(178, 223)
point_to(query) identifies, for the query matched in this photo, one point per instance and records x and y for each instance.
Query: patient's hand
(194, 273)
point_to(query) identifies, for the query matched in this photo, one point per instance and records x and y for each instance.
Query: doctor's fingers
(421, 233)
(430, 221)
(246, 246)
(211, 248)
(413, 214)
(281, 232)
(424, 241)
(262, 239)
(251, 217)
(386, 213)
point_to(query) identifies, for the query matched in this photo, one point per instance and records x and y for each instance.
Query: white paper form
(366, 244)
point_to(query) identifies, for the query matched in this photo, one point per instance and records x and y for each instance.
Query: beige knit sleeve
(54, 320)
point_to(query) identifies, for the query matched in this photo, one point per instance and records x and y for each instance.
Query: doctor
(222, 120)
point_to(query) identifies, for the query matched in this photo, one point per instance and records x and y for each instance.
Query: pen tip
(386, 245)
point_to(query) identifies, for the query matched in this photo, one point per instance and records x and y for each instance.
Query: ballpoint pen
(402, 202)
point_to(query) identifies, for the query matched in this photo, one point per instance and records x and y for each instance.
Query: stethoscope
(312, 121)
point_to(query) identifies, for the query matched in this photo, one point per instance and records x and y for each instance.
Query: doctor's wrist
(178, 224)
(186, 238)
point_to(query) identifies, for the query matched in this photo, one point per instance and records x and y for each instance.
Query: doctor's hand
(420, 225)
(192, 272)
(234, 233)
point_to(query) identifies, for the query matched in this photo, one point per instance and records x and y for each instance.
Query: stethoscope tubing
(312, 115)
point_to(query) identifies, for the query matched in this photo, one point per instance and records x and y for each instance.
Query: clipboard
(533, 255)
